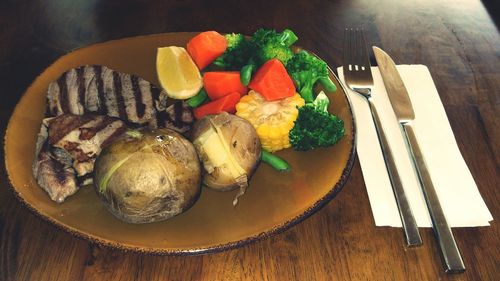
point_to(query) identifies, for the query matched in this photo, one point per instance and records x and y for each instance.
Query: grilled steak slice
(178, 116)
(67, 147)
(55, 176)
(98, 89)
(83, 137)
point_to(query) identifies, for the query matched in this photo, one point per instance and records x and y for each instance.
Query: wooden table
(457, 40)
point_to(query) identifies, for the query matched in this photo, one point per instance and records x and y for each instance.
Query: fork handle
(450, 254)
(407, 219)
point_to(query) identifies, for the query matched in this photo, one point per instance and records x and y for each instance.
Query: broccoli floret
(238, 53)
(268, 44)
(305, 70)
(271, 44)
(234, 39)
(247, 55)
(315, 127)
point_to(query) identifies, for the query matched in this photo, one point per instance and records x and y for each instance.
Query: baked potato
(148, 175)
(229, 148)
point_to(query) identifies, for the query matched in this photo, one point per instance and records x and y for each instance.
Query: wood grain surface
(459, 42)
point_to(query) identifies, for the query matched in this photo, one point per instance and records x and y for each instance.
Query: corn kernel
(272, 120)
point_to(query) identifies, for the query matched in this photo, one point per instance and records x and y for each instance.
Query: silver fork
(358, 77)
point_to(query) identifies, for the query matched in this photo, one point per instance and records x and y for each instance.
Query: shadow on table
(493, 9)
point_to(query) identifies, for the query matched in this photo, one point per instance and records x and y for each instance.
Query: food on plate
(200, 98)
(205, 47)
(224, 104)
(229, 149)
(151, 172)
(248, 55)
(272, 120)
(315, 127)
(273, 45)
(272, 81)
(177, 73)
(221, 83)
(148, 175)
(73, 134)
(101, 90)
(177, 116)
(274, 161)
(66, 150)
(237, 54)
(305, 70)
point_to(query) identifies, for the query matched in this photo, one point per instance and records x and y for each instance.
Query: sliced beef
(55, 175)
(178, 116)
(66, 150)
(89, 107)
(57, 179)
(98, 89)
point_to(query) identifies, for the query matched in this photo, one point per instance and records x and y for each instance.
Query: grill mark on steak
(100, 90)
(164, 118)
(139, 105)
(80, 80)
(120, 102)
(155, 92)
(83, 179)
(59, 170)
(53, 175)
(60, 127)
(113, 136)
(63, 92)
(95, 88)
(83, 152)
(177, 118)
(66, 149)
(78, 153)
(88, 133)
(55, 164)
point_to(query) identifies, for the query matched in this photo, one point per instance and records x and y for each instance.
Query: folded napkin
(456, 189)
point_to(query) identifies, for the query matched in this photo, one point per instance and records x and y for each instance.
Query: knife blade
(403, 109)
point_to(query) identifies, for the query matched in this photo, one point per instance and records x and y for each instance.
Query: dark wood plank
(457, 40)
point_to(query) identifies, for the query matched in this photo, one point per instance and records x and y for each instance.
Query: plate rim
(184, 251)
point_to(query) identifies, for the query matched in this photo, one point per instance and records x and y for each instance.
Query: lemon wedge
(177, 72)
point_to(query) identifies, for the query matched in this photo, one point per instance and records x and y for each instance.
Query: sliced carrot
(220, 83)
(205, 47)
(226, 103)
(272, 81)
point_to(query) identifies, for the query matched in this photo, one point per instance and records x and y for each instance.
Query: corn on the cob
(272, 120)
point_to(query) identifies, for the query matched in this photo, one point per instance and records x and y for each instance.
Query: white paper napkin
(456, 189)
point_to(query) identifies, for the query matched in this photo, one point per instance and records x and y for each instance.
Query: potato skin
(158, 176)
(243, 142)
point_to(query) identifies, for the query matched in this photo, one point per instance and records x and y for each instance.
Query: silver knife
(403, 109)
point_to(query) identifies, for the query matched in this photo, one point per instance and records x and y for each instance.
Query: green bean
(275, 161)
(246, 74)
(199, 99)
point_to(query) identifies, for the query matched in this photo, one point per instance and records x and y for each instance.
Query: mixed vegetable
(315, 127)
(262, 80)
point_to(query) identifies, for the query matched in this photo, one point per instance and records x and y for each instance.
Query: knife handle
(449, 251)
(407, 219)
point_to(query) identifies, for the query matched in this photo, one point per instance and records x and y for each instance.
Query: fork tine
(364, 61)
(347, 49)
(356, 64)
(356, 48)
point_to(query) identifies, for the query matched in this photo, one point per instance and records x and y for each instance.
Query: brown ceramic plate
(273, 202)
